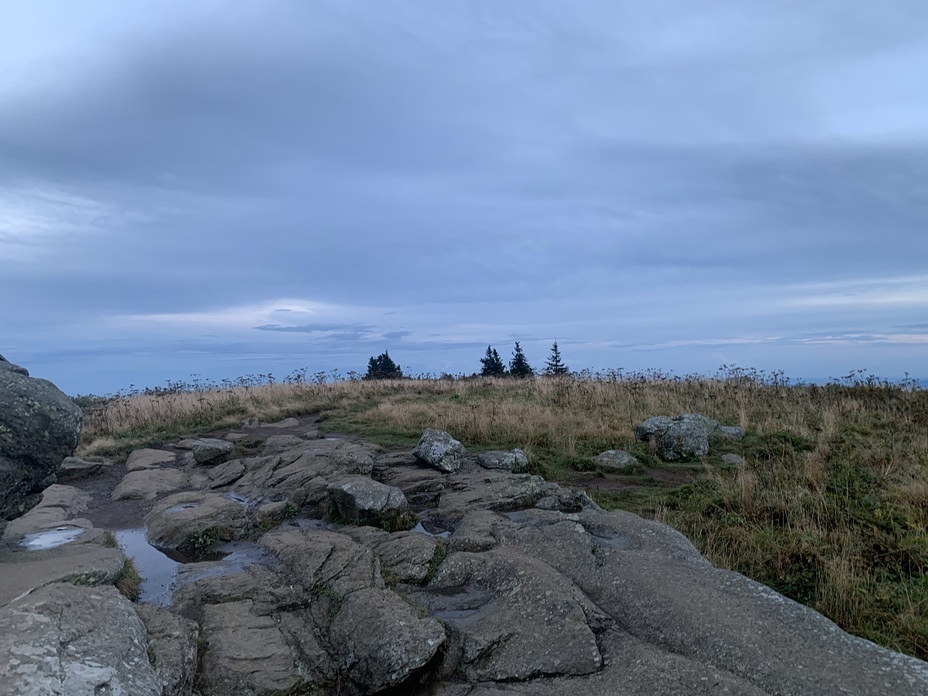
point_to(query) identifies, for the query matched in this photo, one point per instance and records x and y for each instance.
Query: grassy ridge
(830, 506)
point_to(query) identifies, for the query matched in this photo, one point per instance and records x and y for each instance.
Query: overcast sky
(227, 188)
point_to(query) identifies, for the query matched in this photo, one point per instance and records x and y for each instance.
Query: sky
(220, 188)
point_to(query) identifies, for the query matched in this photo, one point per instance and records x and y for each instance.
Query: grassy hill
(829, 507)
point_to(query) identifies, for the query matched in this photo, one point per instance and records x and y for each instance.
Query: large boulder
(39, 427)
(438, 449)
(361, 499)
(681, 437)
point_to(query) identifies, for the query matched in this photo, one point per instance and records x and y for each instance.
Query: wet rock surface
(508, 584)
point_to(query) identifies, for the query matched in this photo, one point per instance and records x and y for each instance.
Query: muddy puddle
(429, 528)
(454, 602)
(159, 568)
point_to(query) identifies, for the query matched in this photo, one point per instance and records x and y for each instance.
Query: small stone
(286, 423)
(615, 459)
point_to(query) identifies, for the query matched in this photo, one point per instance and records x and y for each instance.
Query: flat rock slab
(148, 484)
(148, 459)
(82, 563)
(77, 469)
(177, 519)
(208, 449)
(246, 652)
(59, 504)
(285, 423)
(79, 641)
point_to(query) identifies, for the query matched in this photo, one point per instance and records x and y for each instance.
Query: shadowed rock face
(39, 427)
(535, 591)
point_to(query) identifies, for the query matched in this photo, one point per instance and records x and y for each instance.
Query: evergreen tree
(383, 367)
(518, 366)
(554, 367)
(492, 364)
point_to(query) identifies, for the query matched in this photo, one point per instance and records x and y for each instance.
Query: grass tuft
(128, 582)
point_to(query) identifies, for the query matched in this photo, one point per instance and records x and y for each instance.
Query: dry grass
(830, 506)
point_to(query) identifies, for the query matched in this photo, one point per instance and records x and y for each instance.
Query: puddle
(242, 500)
(456, 601)
(230, 557)
(159, 568)
(182, 506)
(431, 529)
(156, 569)
(51, 539)
(305, 524)
(519, 516)
(454, 613)
(246, 553)
(620, 541)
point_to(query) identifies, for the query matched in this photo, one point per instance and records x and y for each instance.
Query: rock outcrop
(39, 427)
(509, 585)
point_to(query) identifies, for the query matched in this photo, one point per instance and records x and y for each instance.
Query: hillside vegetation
(829, 507)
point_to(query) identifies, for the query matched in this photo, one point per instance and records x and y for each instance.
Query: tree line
(383, 366)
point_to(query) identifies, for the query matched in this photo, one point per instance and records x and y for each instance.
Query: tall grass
(829, 507)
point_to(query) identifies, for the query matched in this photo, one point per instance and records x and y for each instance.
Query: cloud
(282, 182)
(887, 291)
(316, 328)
